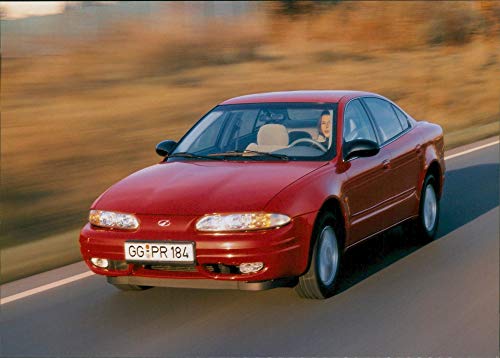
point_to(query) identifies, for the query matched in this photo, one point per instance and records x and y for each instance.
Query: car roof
(297, 96)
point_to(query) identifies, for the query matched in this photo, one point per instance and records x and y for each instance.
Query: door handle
(386, 164)
(418, 149)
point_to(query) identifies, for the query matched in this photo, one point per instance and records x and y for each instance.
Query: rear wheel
(426, 224)
(320, 280)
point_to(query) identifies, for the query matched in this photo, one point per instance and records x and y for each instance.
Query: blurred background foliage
(83, 102)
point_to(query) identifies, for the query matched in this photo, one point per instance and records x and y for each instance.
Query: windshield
(263, 131)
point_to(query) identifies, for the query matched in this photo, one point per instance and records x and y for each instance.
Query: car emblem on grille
(164, 223)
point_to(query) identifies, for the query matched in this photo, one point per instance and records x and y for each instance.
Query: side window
(357, 125)
(402, 117)
(385, 118)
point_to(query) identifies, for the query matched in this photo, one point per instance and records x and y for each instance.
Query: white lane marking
(90, 273)
(471, 150)
(46, 287)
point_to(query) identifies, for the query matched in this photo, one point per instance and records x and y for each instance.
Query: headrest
(272, 134)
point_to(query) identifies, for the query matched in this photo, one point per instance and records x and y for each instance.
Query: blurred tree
(455, 25)
(301, 7)
(491, 13)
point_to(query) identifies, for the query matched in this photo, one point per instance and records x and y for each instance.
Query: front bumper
(284, 252)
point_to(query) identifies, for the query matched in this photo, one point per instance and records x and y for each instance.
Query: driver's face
(326, 125)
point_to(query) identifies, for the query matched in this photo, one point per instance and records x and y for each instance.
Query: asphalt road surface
(396, 298)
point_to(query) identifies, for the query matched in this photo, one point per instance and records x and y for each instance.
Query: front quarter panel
(308, 193)
(304, 198)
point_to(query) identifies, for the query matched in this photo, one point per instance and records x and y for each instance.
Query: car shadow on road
(468, 193)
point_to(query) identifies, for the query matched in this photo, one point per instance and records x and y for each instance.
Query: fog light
(102, 263)
(251, 267)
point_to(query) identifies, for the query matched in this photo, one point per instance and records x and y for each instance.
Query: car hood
(197, 188)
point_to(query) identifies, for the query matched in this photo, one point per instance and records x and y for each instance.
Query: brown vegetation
(74, 123)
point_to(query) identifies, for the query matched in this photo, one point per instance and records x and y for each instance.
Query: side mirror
(165, 148)
(360, 148)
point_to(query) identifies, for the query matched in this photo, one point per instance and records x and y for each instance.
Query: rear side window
(385, 118)
(402, 117)
(357, 125)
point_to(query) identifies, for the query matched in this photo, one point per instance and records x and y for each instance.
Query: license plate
(172, 251)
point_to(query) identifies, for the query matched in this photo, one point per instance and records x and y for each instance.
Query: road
(396, 298)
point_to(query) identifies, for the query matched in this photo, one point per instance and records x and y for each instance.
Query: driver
(324, 127)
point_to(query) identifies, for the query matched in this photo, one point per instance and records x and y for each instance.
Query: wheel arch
(435, 170)
(333, 205)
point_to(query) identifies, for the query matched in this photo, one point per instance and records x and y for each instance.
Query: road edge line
(46, 287)
(471, 150)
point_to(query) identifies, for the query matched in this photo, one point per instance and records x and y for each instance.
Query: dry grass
(73, 124)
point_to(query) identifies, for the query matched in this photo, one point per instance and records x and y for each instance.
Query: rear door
(403, 146)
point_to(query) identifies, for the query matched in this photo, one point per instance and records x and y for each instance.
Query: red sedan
(269, 190)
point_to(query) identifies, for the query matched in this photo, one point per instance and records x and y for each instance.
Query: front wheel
(320, 280)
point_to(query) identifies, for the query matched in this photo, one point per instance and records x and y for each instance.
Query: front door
(365, 191)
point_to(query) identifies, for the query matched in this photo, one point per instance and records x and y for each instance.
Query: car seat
(270, 137)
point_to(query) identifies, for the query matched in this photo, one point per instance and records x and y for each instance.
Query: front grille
(167, 267)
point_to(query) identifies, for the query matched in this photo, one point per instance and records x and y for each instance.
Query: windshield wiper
(238, 153)
(191, 155)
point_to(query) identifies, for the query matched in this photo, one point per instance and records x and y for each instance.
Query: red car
(269, 190)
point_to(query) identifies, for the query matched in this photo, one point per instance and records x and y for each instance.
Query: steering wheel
(308, 140)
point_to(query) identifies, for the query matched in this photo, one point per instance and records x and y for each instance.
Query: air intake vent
(165, 267)
(221, 268)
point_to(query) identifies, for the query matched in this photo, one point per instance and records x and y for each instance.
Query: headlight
(241, 222)
(113, 220)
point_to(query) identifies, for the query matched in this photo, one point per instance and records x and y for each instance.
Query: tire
(124, 287)
(426, 224)
(319, 282)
